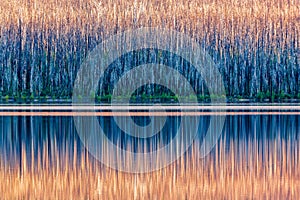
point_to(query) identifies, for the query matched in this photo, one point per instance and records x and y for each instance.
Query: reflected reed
(256, 157)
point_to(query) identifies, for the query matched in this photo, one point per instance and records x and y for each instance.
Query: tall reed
(255, 43)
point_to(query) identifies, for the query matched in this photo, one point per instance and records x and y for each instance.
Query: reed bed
(254, 43)
(234, 170)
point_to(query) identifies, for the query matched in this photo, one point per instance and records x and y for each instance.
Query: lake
(256, 156)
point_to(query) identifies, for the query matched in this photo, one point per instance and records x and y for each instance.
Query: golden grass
(227, 18)
(238, 170)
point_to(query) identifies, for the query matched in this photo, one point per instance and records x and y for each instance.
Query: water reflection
(57, 137)
(256, 157)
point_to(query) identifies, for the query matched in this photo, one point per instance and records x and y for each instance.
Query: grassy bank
(164, 98)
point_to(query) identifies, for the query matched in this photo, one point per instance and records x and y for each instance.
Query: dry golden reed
(197, 17)
(256, 43)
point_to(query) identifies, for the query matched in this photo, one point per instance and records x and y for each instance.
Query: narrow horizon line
(142, 114)
(193, 108)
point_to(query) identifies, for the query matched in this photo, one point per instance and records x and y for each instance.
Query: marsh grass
(255, 43)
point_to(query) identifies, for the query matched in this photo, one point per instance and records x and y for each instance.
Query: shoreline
(148, 111)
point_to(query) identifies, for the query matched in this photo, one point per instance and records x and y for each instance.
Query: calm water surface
(256, 157)
(59, 137)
